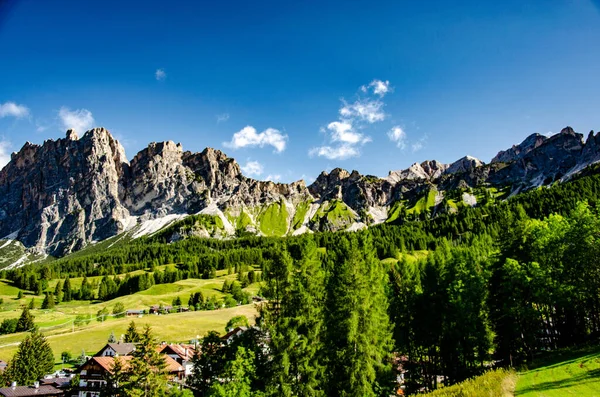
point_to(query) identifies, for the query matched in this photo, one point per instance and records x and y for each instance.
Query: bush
(8, 326)
(119, 310)
(66, 357)
(82, 319)
(229, 301)
(102, 314)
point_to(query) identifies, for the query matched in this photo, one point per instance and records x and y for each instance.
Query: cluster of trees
(22, 324)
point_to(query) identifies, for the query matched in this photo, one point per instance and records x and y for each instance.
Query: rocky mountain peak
(568, 131)
(464, 164)
(518, 151)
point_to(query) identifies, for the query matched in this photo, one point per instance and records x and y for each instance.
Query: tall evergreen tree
(237, 375)
(67, 292)
(48, 302)
(58, 293)
(297, 329)
(25, 322)
(33, 360)
(147, 368)
(208, 362)
(359, 338)
(132, 335)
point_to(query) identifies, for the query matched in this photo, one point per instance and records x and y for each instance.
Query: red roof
(108, 362)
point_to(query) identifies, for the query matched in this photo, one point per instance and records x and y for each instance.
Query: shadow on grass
(588, 377)
(562, 357)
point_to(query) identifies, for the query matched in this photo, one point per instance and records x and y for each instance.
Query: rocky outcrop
(518, 151)
(57, 197)
(465, 164)
(64, 193)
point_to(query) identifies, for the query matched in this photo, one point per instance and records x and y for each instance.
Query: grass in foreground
(494, 383)
(568, 373)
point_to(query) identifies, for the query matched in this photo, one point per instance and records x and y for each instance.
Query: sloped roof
(122, 349)
(24, 391)
(185, 352)
(234, 332)
(107, 363)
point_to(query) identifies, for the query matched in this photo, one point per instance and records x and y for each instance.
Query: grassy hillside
(58, 325)
(566, 373)
(569, 373)
(179, 327)
(424, 203)
(273, 220)
(496, 383)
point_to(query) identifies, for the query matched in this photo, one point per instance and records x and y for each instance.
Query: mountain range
(66, 194)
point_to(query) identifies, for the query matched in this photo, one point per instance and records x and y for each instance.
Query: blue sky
(293, 88)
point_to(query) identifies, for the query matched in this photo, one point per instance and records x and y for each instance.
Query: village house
(160, 309)
(233, 333)
(93, 374)
(113, 349)
(134, 313)
(182, 353)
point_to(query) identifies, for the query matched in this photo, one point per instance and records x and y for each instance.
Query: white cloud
(273, 178)
(340, 152)
(222, 117)
(79, 120)
(253, 168)
(160, 74)
(397, 134)
(248, 136)
(367, 110)
(342, 131)
(4, 153)
(344, 138)
(380, 87)
(11, 109)
(420, 144)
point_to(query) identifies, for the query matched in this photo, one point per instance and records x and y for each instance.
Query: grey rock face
(65, 192)
(518, 151)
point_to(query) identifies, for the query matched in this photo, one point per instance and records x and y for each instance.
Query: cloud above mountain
(11, 109)
(79, 120)
(344, 137)
(249, 137)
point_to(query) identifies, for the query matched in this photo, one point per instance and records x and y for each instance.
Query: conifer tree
(359, 341)
(58, 293)
(238, 374)
(33, 360)
(297, 330)
(48, 302)
(132, 335)
(25, 322)
(208, 362)
(147, 368)
(67, 293)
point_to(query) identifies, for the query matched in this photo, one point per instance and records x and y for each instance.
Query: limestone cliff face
(64, 193)
(58, 197)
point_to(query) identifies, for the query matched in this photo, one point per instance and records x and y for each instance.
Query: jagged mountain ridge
(60, 196)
